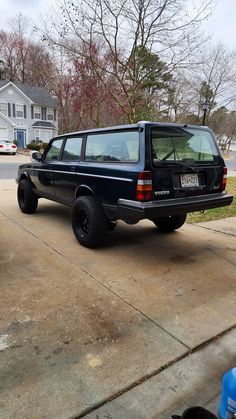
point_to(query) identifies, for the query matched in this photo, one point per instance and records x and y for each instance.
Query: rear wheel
(89, 221)
(27, 199)
(171, 223)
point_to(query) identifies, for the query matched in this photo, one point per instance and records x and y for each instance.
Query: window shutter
(55, 115)
(25, 116)
(32, 112)
(44, 110)
(9, 109)
(14, 110)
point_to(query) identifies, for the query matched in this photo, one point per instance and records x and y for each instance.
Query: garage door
(3, 133)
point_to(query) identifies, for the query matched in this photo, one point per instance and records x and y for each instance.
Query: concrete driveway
(80, 327)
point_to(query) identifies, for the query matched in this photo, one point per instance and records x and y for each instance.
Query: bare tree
(23, 59)
(215, 78)
(124, 30)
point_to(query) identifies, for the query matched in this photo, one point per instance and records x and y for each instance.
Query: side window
(122, 146)
(53, 152)
(72, 149)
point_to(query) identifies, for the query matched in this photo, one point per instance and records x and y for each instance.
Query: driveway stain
(182, 259)
(18, 325)
(57, 351)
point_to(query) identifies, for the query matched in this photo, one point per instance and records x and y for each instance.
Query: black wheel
(171, 223)
(89, 221)
(27, 199)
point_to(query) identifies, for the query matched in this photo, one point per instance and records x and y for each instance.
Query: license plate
(189, 181)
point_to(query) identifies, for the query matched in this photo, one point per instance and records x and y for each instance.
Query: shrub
(33, 146)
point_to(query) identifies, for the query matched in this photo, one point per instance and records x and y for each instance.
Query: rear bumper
(134, 211)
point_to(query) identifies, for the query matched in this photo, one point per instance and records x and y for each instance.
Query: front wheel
(27, 199)
(171, 223)
(89, 221)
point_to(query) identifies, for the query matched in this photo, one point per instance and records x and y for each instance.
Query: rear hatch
(185, 162)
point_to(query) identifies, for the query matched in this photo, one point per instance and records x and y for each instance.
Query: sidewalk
(193, 381)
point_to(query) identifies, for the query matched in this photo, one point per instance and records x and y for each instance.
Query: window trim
(39, 131)
(110, 161)
(5, 103)
(81, 148)
(19, 104)
(50, 120)
(50, 145)
(172, 163)
(40, 113)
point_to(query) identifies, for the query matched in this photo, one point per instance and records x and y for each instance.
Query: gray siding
(11, 96)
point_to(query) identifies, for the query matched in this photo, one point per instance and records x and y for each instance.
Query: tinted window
(72, 149)
(180, 144)
(53, 152)
(122, 146)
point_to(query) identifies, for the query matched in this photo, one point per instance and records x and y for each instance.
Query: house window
(37, 112)
(50, 114)
(3, 108)
(37, 138)
(46, 135)
(19, 110)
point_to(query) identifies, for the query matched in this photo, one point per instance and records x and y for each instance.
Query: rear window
(121, 146)
(183, 144)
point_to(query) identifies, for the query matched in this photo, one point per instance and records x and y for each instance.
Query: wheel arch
(25, 175)
(84, 190)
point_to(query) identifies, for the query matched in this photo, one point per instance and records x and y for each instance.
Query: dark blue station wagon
(148, 170)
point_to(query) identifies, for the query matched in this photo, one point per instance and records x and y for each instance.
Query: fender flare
(83, 190)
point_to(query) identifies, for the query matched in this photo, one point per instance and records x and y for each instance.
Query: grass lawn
(217, 213)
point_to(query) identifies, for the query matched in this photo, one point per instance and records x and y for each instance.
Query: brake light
(144, 186)
(1, 146)
(13, 146)
(224, 180)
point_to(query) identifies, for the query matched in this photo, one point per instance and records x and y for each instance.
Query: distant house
(27, 113)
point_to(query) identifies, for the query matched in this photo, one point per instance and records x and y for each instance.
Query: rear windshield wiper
(182, 163)
(177, 163)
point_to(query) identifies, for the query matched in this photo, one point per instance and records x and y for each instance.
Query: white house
(27, 113)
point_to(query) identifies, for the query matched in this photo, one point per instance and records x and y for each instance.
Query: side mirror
(35, 155)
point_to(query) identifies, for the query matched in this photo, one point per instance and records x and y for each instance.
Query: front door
(43, 176)
(20, 137)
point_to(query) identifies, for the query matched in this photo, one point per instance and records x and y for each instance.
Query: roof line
(8, 120)
(10, 83)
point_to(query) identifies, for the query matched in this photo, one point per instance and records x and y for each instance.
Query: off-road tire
(89, 221)
(169, 224)
(27, 199)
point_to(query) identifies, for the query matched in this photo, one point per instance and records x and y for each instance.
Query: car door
(43, 176)
(65, 173)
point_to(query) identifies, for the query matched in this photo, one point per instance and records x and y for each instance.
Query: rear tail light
(224, 180)
(1, 146)
(13, 146)
(144, 186)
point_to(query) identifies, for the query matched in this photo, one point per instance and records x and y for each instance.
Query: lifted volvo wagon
(148, 170)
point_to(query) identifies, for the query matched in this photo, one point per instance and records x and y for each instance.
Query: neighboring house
(27, 113)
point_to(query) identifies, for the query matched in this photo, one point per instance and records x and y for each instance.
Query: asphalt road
(9, 165)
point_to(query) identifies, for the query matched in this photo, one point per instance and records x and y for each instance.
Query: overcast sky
(221, 25)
